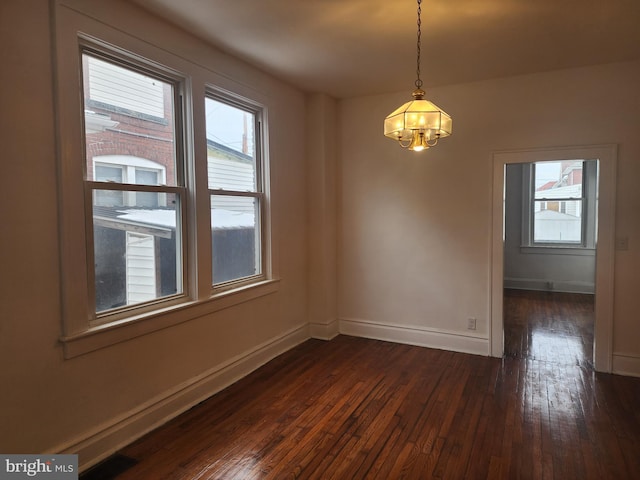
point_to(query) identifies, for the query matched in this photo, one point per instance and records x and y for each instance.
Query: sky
(547, 171)
(225, 124)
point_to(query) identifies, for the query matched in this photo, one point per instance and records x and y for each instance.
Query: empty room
(320, 239)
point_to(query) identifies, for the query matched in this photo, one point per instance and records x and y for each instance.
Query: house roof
(568, 191)
(162, 221)
(229, 152)
(546, 186)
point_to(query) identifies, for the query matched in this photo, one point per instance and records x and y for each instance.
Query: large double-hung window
(235, 189)
(163, 192)
(134, 181)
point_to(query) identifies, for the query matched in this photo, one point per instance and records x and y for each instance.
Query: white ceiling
(357, 47)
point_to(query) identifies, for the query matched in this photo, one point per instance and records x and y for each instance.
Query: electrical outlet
(471, 323)
(622, 243)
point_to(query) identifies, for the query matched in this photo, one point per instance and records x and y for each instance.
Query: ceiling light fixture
(418, 124)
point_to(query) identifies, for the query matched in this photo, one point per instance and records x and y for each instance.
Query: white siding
(123, 88)
(231, 174)
(239, 205)
(141, 268)
(553, 226)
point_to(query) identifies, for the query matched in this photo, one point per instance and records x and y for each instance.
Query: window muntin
(558, 203)
(133, 179)
(235, 188)
(133, 170)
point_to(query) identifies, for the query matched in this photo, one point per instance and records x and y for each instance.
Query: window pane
(129, 121)
(561, 179)
(235, 237)
(135, 252)
(106, 173)
(230, 147)
(558, 222)
(146, 177)
(558, 218)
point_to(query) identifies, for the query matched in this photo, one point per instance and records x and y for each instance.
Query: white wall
(573, 272)
(92, 403)
(415, 229)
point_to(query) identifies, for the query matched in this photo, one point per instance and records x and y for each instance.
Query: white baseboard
(324, 331)
(104, 440)
(626, 364)
(416, 336)
(543, 285)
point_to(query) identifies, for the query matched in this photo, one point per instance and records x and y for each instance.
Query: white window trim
(589, 228)
(99, 336)
(79, 336)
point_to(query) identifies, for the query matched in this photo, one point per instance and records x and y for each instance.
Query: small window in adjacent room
(236, 190)
(559, 204)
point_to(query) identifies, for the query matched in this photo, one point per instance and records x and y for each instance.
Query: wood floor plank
(354, 408)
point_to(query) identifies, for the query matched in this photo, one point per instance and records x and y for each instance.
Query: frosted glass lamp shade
(417, 116)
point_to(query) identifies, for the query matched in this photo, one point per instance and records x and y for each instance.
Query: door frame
(605, 243)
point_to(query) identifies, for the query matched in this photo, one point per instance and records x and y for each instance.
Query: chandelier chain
(417, 124)
(418, 80)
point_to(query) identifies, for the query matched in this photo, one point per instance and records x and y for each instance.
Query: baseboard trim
(546, 286)
(324, 331)
(626, 364)
(104, 440)
(416, 336)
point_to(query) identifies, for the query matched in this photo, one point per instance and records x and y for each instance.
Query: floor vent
(110, 468)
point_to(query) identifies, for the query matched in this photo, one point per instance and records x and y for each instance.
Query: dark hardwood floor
(549, 326)
(354, 408)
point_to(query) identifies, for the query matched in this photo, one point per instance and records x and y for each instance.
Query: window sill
(101, 336)
(557, 250)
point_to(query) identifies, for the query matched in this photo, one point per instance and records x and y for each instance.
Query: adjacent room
(322, 239)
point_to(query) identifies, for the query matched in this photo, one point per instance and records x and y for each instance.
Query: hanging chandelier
(418, 124)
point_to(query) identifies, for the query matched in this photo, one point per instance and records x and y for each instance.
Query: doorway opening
(549, 260)
(603, 242)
